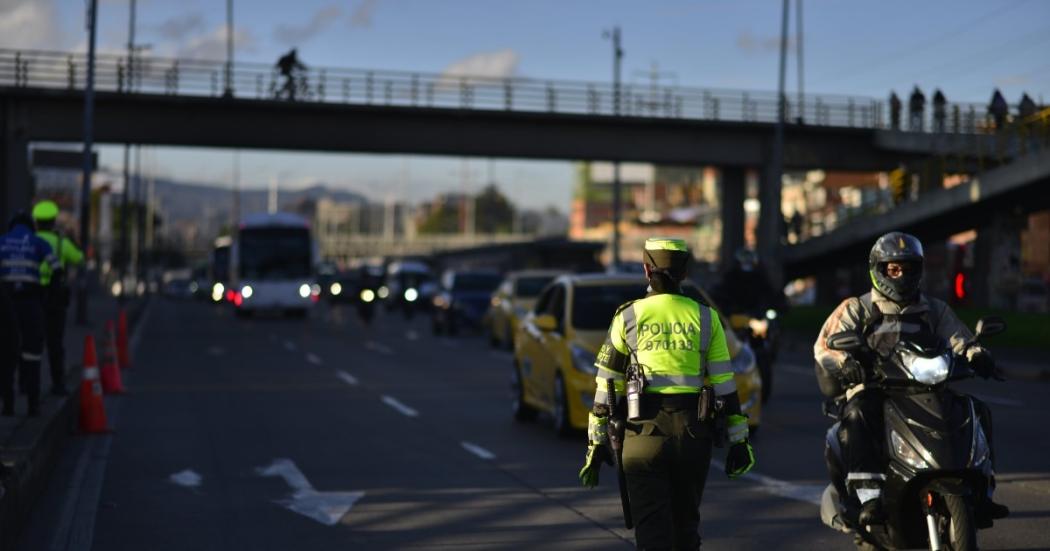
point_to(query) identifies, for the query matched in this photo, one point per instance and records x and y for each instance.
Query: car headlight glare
(336, 289)
(304, 290)
(367, 295)
(903, 450)
(583, 360)
(247, 291)
(411, 294)
(383, 292)
(771, 314)
(217, 291)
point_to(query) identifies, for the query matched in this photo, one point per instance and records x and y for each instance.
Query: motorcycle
(939, 462)
(762, 332)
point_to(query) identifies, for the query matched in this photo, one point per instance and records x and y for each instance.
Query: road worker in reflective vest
(56, 299)
(663, 355)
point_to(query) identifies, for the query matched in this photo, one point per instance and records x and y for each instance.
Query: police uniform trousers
(28, 303)
(55, 307)
(665, 458)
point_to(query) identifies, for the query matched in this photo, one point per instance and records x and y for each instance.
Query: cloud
(213, 44)
(362, 16)
(31, 24)
(751, 44)
(178, 28)
(297, 34)
(487, 65)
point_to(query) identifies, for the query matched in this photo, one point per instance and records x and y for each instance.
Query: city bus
(272, 265)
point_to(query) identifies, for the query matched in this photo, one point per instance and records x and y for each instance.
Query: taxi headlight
(247, 291)
(336, 288)
(583, 360)
(304, 290)
(903, 450)
(744, 361)
(928, 371)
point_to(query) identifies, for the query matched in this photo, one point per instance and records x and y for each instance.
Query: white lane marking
(289, 346)
(187, 478)
(999, 401)
(378, 347)
(313, 358)
(328, 508)
(346, 377)
(796, 369)
(412, 335)
(478, 451)
(401, 408)
(808, 493)
(216, 350)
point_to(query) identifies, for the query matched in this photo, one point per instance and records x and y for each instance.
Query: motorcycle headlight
(928, 371)
(744, 361)
(903, 450)
(583, 361)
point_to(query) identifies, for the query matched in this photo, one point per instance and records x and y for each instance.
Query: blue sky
(866, 48)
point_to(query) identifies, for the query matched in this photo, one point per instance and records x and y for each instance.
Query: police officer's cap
(666, 253)
(45, 211)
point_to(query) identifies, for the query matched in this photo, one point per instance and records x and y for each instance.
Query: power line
(860, 68)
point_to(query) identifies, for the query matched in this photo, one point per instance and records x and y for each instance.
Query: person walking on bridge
(56, 299)
(940, 111)
(916, 105)
(895, 111)
(668, 355)
(21, 254)
(998, 109)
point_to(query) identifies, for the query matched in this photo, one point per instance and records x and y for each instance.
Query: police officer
(56, 299)
(21, 254)
(674, 345)
(894, 309)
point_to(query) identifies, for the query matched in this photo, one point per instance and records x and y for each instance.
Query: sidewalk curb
(35, 447)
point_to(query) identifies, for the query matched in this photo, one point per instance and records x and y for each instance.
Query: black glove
(984, 366)
(852, 372)
(739, 459)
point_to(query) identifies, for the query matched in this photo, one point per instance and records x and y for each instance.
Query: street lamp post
(617, 207)
(88, 168)
(228, 92)
(770, 218)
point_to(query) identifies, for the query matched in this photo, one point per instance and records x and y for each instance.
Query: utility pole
(125, 213)
(617, 61)
(228, 92)
(770, 217)
(235, 208)
(88, 168)
(801, 92)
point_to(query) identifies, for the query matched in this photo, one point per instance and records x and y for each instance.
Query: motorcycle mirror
(989, 326)
(545, 323)
(845, 341)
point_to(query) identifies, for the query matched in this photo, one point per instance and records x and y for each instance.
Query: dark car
(463, 300)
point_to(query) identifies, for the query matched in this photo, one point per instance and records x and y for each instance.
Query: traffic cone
(92, 410)
(122, 340)
(111, 381)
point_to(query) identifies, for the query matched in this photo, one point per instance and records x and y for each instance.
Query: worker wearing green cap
(45, 213)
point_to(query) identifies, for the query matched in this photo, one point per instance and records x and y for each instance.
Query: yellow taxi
(555, 347)
(513, 299)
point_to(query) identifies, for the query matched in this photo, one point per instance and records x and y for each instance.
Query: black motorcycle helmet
(901, 248)
(21, 218)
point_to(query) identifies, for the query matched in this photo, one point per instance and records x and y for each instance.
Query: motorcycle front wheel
(961, 529)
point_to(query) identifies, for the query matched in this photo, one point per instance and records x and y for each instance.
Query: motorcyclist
(745, 288)
(894, 308)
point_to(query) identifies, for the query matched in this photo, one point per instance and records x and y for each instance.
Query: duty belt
(687, 400)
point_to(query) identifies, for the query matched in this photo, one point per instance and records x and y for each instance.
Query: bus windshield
(275, 253)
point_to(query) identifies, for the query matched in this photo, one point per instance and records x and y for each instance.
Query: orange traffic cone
(111, 381)
(122, 340)
(92, 410)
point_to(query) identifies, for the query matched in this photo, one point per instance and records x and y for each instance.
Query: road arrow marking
(328, 508)
(346, 377)
(188, 478)
(402, 408)
(478, 451)
(313, 358)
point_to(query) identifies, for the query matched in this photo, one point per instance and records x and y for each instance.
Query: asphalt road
(326, 434)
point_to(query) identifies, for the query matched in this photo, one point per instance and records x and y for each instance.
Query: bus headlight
(304, 290)
(411, 294)
(247, 291)
(336, 289)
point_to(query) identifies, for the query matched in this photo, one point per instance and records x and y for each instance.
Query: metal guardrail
(186, 77)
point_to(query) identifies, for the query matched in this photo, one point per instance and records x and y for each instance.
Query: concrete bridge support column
(733, 182)
(997, 253)
(16, 188)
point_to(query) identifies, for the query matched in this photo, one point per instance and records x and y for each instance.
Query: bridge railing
(188, 77)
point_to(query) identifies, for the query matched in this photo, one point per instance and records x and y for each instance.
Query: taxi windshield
(530, 287)
(593, 306)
